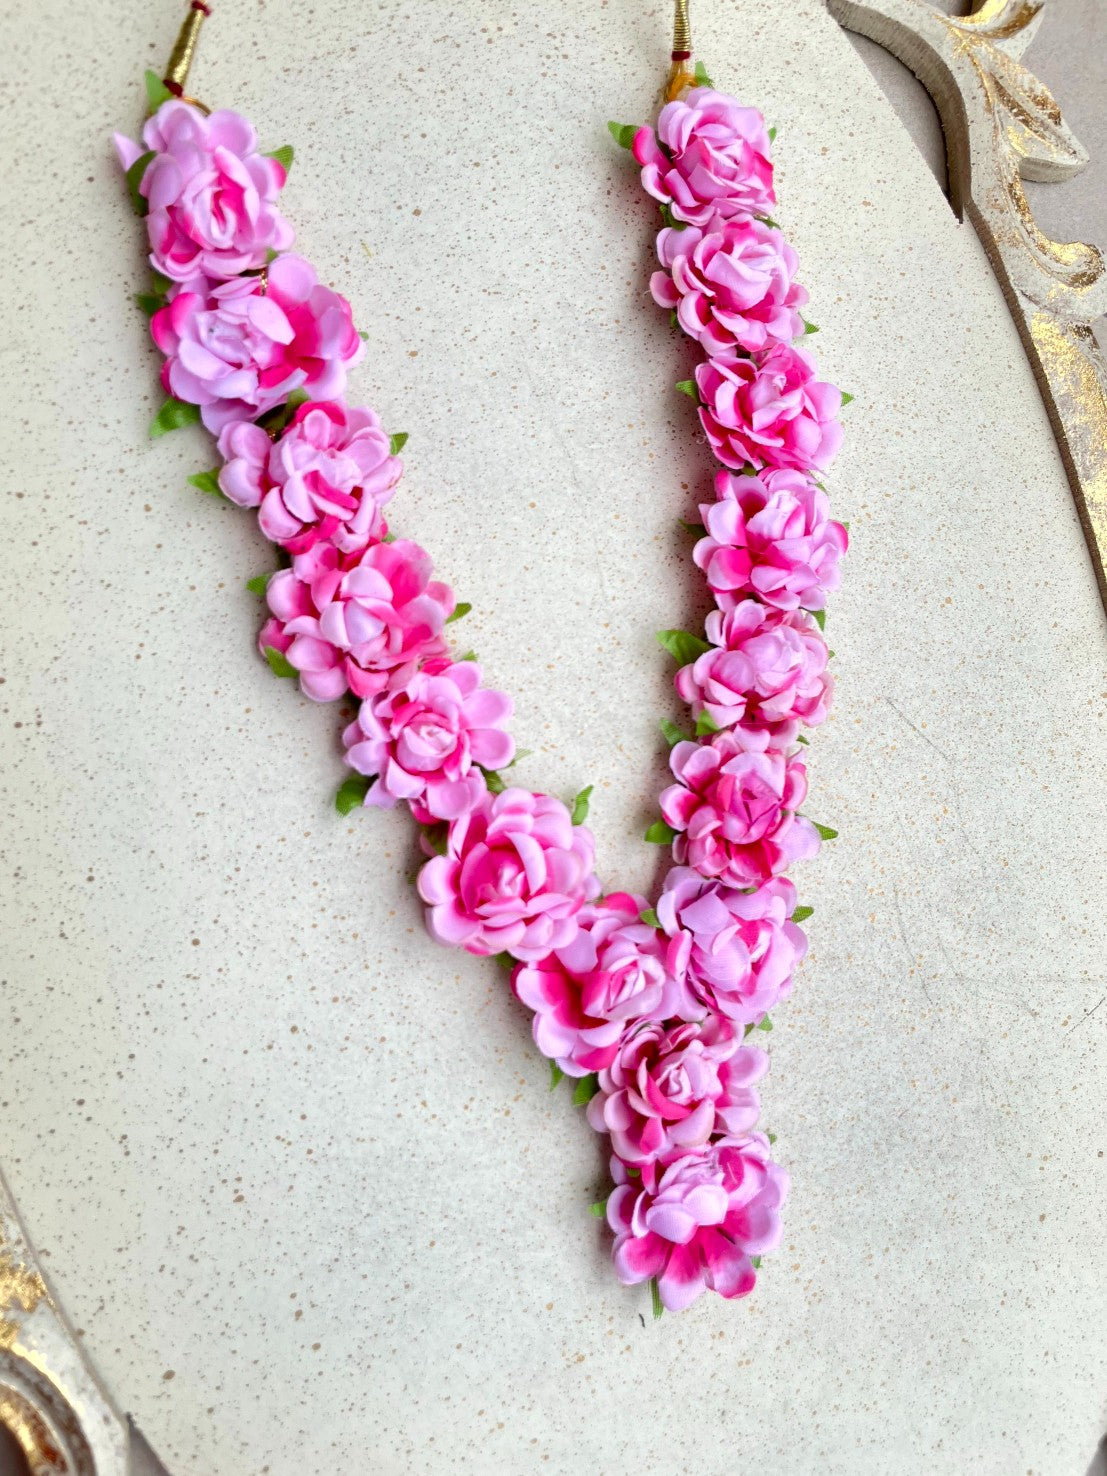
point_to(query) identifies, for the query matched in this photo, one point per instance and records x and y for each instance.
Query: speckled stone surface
(294, 1169)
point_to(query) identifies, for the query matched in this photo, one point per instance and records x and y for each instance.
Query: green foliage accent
(705, 724)
(755, 1261)
(765, 1024)
(805, 741)
(674, 321)
(556, 1076)
(809, 327)
(471, 655)
(847, 399)
(622, 133)
(688, 387)
(397, 442)
(172, 415)
(649, 917)
(659, 833)
(771, 1137)
(670, 219)
(494, 780)
(352, 793)
(655, 1297)
(681, 645)
(580, 806)
(819, 617)
(673, 733)
(772, 134)
(598, 1208)
(585, 1089)
(801, 914)
(702, 79)
(279, 662)
(826, 832)
(258, 584)
(437, 836)
(769, 221)
(156, 91)
(460, 612)
(133, 177)
(207, 482)
(697, 528)
(284, 156)
(149, 302)
(505, 960)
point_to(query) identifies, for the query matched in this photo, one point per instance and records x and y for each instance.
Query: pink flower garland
(648, 1010)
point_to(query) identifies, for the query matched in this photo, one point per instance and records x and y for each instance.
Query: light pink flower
(736, 951)
(427, 741)
(585, 994)
(697, 1222)
(359, 621)
(710, 156)
(732, 284)
(514, 878)
(327, 476)
(243, 347)
(770, 535)
(212, 196)
(670, 1089)
(735, 810)
(769, 411)
(766, 673)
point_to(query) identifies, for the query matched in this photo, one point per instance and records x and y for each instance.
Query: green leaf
(830, 655)
(697, 528)
(771, 1137)
(632, 1172)
(258, 584)
(819, 617)
(520, 753)
(149, 302)
(755, 1261)
(279, 662)
(622, 133)
(598, 1208)
(770, 222)
(133, 177)
(845, 524)
(674, 321)
(826, 832)
(460, 612)
(809, 327)
(469, 655)
(765, 1024)
(585, 1089)
(670, 219)
(649, 917)
(172, 415)
(207, 482)
(655, 1297)
(702, 79)
(660, 833)
(805, 741)
(437, 836)
(688, 387)
(801, 914)
(352, 793)
(284, 156)
(682, 645)
(156, 91)
(397, 442)
(673, 734)
(772, 134)
(556, 1076)
(705, 724)
(505, 960)
(494, 781)
(580, 806)
(847, 399)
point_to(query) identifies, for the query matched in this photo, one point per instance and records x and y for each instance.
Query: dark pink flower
(514, 878)
(770, 535)
(735, 950)
(585, 995)
(327, 476)
(732, 284)
(359, 621)
(769, 411)
(766, 673)
(697, 1222)
(428, 741)
(735, 810)
(671, 1088)
(710, 156)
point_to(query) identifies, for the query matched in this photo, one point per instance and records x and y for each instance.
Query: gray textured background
(1070, 56)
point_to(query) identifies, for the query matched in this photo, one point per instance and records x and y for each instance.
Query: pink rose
(611, 973)
(427, 741)
(327, 476)
(736, 810)
(769, 411)
(770, 535)
(766, 673)
(212, 196)
(668, 1090)
(514, 878)
(359, 621)
(710, 156)
(736, 951)
(244, 346)
(697, 1222)
(732, 285)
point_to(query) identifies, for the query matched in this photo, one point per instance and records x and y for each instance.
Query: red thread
(174, 87)
(681, 55)
(199, 5)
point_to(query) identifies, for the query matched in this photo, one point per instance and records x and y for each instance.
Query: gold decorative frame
(50, 1399)
(1003, 126)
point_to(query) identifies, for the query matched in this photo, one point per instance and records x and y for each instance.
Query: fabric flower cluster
(648, 1008)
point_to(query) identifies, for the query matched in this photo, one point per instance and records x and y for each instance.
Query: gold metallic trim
(180, 58)
(1002, 125)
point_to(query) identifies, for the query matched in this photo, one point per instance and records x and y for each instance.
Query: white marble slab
(293, 1168)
